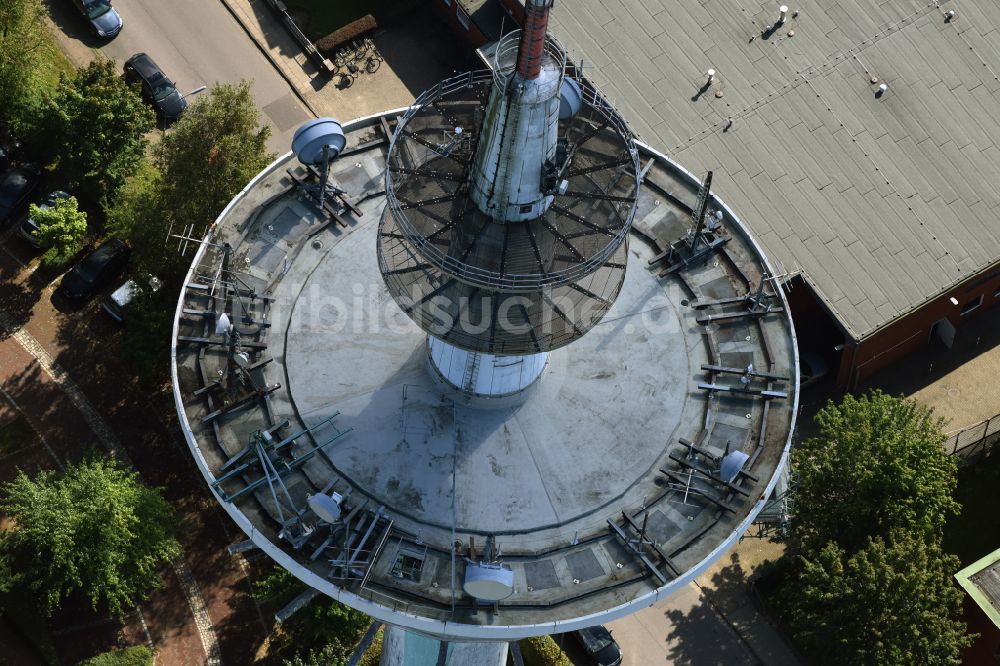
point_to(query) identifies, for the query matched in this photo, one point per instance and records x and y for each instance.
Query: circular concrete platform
(590, 430)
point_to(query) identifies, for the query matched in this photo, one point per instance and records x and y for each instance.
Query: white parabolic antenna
(326, 507)
(732, 463)
(489, 582)
(310, 139)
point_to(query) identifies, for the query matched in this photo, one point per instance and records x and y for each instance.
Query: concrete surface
(418, 53)
(598, 405)
(713, 621)
(958, 383)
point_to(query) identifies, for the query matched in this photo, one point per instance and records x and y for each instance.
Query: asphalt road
(195, 42)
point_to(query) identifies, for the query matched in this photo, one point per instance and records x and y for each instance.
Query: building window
(463, 18)
(972, 305)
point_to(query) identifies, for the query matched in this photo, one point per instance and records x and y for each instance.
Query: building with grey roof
(879, 206)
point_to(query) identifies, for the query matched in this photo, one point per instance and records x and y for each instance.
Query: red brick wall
(449, 13)
(912, 332)
(983, 651)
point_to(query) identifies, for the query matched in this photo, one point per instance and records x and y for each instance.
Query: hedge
(362, 26)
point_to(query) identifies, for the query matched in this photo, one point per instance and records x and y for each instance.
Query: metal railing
(493, 279)
(974, 440)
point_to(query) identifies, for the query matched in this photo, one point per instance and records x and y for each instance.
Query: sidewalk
(712, 621)
(958, 383)
(415, 59)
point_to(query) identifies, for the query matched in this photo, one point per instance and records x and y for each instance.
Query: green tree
(22, 38)
(877, 464)
(61, 228)
(215, 149)
(139, 216)
(324, 630)
(892, 602)
(150, 320)
(212, 153)
(97, 126)
(95, 529)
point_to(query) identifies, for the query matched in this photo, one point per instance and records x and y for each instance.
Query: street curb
(267, 54)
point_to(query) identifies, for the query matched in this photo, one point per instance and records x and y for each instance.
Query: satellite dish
(732, 463)
(489, 582)
(325, 506)
(309, 140)
(222, 324)
(570, 99)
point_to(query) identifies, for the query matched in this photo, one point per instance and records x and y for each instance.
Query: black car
(156, 88)
(16, 187)
(104, 20)
(96, 270)
(599, 644)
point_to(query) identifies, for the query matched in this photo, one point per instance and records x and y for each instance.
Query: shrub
(543, 651)
(139, 655)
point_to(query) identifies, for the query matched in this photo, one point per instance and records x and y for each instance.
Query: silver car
(116, 301)
(104, 20)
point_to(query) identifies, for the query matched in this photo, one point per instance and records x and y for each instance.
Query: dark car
(16, 187)
(96, 270)
(104, 20)
(598, 643)
(8, 151)
(156, 88)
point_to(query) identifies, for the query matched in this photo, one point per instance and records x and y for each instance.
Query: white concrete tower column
(486, 375)
(407, 648)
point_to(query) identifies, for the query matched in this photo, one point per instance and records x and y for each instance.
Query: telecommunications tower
(372, 363)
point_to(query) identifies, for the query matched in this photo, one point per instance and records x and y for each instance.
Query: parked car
(17, 185)
(156, 88)
(8, 150)
(114, 304)
(29, 227)
(105, 21)
(96, 270)
(598, 643)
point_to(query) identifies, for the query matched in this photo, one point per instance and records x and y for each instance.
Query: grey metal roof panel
(881, 202)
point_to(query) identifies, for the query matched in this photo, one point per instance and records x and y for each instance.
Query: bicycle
(345, 55)
(344, 79)
(373, 61)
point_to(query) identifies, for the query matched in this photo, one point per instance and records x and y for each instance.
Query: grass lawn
(325, 16)
(53, 64)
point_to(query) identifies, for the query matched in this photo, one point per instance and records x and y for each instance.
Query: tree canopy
(97, 125)
(218, 146)
(869, 583)
(891, 602)
(61, 228)
(22, 37)
(877, 464)
(95, 529)
(324, 631)
(211, 154)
